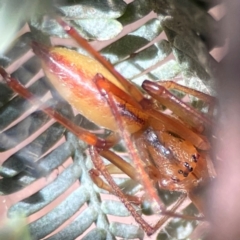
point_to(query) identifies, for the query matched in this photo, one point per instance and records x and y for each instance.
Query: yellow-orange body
(72, 75)
(180, 165)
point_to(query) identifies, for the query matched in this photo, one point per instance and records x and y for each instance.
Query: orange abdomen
(72, 75)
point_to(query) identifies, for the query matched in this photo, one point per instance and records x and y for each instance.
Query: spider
(169, 150)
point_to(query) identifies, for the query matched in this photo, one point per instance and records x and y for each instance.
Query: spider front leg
(210, 100)
(200, 95)
(118, 166)
(185, 112)
(98, 163)
(133, 91)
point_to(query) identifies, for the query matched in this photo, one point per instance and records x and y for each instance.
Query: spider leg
(94, 174)
(98, 163)
(165, 218)
(132, 89)
(211, 101)
(117, 161)
(187, 113)
(203, 96)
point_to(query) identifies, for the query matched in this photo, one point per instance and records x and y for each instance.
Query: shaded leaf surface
(10, 138)
(41, 227)
(17, 106)
(29, 154)
(135, 10)
(49, 193)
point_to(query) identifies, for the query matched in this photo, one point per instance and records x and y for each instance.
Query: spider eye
(195, 157)
(188, 166)
(180, 171)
